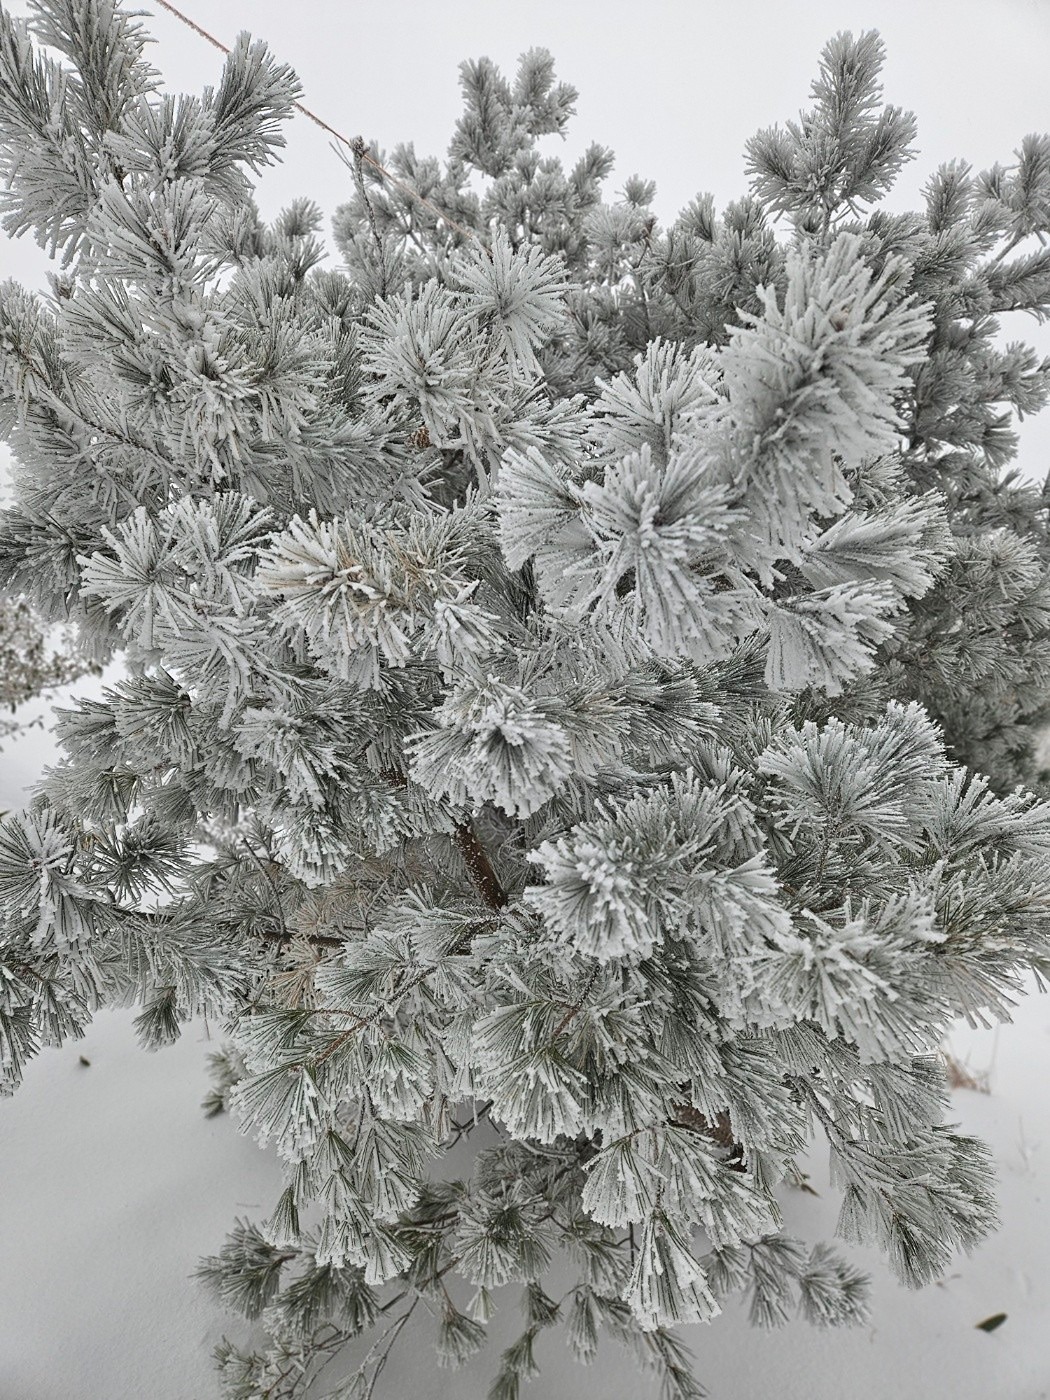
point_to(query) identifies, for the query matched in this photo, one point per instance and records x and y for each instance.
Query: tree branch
(475, 857)
(480, 867)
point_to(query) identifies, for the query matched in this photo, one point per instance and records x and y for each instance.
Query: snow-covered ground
(113, 1184)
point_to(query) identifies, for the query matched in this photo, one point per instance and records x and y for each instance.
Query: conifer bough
(35, 660)
(577, 682)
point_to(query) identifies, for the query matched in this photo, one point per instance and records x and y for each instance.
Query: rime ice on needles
(555, 647)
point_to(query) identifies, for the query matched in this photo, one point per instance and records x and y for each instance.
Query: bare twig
(338, 135)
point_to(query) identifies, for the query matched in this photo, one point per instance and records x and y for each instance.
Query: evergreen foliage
(578, 674)
(35, 659)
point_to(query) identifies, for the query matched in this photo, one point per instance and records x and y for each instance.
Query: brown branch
(720, 1131)
(314, 939)
(475, 857)
(477, 861)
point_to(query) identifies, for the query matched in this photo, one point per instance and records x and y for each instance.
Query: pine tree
(542, 638)
(35, 659)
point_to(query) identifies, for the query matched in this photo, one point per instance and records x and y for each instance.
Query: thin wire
(357, 146)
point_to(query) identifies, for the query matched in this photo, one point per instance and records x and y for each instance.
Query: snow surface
(113, 1184)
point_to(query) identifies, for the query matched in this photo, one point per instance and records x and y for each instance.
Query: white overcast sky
(674, 87)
